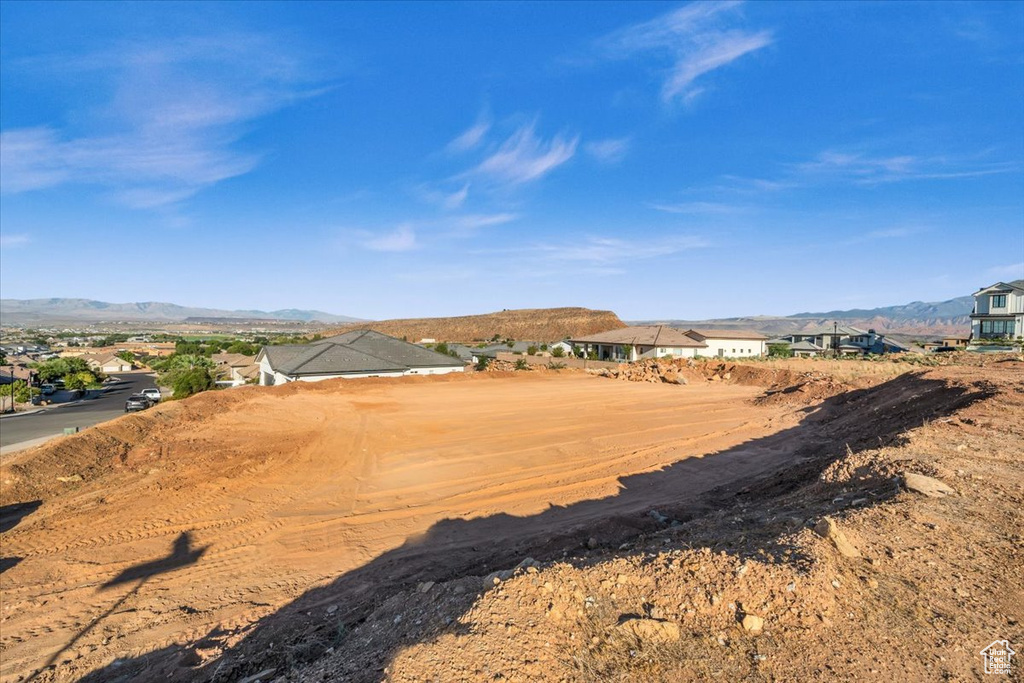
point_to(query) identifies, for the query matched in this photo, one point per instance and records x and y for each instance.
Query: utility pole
(835, 339)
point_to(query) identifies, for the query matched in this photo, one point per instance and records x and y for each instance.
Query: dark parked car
(136, 402)
(945, 349)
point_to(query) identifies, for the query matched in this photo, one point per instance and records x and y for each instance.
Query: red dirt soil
(284, 489)
(368, 530)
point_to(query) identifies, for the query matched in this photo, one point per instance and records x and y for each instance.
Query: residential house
(637, 342)
(106, 362)
(999, 311)
(842, 339)
(730, 343)
(359, 353)
(520, 347)
(235, 369)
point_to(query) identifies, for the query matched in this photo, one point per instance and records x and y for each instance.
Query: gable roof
(701, 335)
(643, 335)
(1000, 287)
(358, 351)
(806, 346)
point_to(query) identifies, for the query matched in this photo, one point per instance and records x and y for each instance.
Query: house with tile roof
(359, 353)
(639, 342)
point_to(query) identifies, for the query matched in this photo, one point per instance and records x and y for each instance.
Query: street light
(835, 339)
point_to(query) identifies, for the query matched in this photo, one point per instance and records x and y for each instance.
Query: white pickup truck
(153, 394)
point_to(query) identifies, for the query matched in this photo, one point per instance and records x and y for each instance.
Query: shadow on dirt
(181, 555)
(301, 632)
(11, 515)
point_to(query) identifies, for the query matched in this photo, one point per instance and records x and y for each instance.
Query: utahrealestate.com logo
(997, 657)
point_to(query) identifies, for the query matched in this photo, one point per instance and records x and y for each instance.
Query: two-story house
(999, 311)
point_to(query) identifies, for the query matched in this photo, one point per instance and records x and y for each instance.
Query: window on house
(998, 301)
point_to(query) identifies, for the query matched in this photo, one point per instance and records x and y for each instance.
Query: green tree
(531, 350)
(442, 348)
(22, 392)
(482, 363)
(243, 347)
(126, 355)
(188, 382)
(780, 351)
(80, 381)
(557, 351)
(56, 368)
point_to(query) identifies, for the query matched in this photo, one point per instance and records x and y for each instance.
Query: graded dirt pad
(535, 526)
(176, 530)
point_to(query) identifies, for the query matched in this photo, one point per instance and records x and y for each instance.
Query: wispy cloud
(474, 221)
(472, 136)
(899, 232)
(610, 151)
(402, 238)
(603, 251)
(703, 208)
(524, 157)
(696, 38)
(171, 120)
(865, 169)
(14, 240)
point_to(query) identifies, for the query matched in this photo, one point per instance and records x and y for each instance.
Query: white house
(360, 353)
(999, 311)
(642, 341)
(730, 343)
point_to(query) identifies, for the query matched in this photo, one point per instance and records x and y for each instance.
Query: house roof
(999, 287)
(725, 334)
(645, 335)
(357, 351)
(841, 330)
(231, 359)
(806, 346)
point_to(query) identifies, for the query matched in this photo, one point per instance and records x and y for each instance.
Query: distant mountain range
(40, 311)
(917, 319)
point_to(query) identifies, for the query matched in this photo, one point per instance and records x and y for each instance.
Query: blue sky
(392, 160)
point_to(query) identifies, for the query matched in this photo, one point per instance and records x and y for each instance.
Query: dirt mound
(532, 324)
(782, 386)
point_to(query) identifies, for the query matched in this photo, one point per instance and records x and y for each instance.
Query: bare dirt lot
(215, 512)
(535, 526)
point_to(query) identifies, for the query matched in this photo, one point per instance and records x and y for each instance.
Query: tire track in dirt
(293, 486)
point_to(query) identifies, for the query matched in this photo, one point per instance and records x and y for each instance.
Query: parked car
(136, 402)
(153, 394)
(47, 389)
(945, 349)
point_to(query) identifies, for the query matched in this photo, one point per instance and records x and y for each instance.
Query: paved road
(18, 428)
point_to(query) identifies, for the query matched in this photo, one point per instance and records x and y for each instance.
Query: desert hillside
(533, 324)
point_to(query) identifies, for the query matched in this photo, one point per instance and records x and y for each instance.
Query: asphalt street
(51, 421)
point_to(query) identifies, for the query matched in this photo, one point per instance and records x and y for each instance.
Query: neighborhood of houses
(998, 314)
